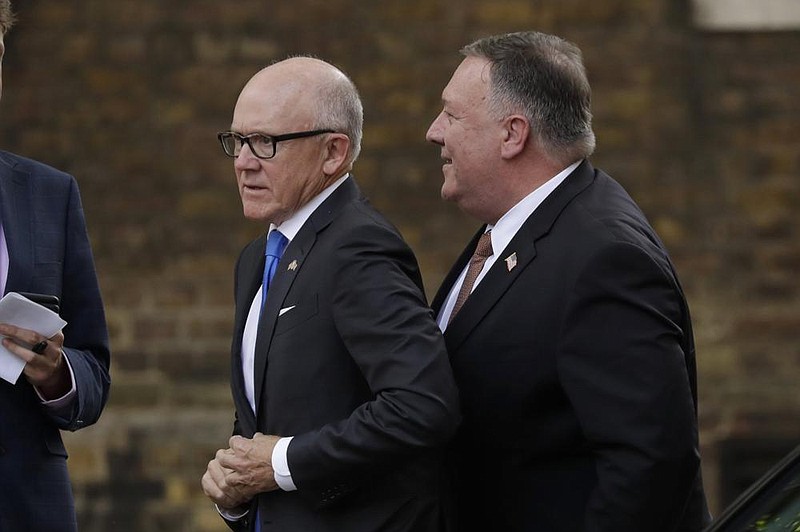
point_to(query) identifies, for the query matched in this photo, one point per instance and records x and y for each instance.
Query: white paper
(22, 312)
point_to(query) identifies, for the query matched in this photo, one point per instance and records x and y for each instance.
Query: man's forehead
(478, 69)
(256, 120)
(282, 93)
(471, 79)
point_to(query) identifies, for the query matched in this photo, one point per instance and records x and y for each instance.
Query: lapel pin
(511, 261)
(292, 265)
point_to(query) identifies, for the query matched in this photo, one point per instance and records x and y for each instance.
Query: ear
(516, 131)
(337, 148)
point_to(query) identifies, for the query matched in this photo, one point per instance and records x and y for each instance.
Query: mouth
(252, 186)
(447, 160)
(252, 191)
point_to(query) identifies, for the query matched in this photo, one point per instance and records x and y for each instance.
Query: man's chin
(256, 215)
(448, 194)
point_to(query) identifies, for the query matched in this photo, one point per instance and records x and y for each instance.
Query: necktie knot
(484, 247)
(276, 243)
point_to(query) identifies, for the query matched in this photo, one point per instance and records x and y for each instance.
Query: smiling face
(470, 141)
(277, 100)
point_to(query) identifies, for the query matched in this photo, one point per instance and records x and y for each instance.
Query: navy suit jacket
(356, 371)
(49, 253)
(576, 370)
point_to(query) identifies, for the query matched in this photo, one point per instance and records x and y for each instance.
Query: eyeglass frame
(245, 139)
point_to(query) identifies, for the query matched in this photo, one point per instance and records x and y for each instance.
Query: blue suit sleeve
(85, 335)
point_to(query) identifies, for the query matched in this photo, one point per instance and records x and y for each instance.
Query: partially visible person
(568, 331)
(44, 249)
(344, 396)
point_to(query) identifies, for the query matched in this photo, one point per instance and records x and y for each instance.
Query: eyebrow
(452, 105)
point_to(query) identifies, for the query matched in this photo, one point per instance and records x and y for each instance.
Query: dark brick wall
(127, 95)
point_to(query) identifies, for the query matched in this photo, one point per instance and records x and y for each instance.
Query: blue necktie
(276, 243)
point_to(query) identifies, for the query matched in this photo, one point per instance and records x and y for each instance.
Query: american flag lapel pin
(292, 265)
(511, 261)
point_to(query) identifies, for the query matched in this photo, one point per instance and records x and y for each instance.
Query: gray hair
(7, 17)
(339, 108)
(542, 77)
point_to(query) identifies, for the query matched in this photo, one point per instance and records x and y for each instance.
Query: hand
(47, 371)
(216, 488)
(239, 473)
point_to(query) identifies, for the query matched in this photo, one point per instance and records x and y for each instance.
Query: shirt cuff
(65, 400)
(231, 516)
(280, 465)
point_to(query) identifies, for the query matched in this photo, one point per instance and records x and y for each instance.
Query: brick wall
(127, 95)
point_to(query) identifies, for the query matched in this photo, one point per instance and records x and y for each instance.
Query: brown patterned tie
(482, 252)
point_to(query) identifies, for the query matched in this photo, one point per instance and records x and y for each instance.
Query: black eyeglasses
(263, 146)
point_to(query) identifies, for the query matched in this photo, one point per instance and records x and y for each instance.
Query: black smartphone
(48, 301)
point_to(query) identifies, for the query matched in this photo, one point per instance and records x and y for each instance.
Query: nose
(245, 160)
(434, 133)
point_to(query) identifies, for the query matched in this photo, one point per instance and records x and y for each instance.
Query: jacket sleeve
(85, 335)
(388, 330)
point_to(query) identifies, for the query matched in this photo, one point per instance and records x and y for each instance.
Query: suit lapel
(15, 193)
(499, 278)
(295, 255)
(491, 288)
(296, 251)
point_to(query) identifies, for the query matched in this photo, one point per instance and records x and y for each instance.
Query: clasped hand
(239, 473)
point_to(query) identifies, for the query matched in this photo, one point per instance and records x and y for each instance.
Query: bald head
(312, 94)
(301, 73)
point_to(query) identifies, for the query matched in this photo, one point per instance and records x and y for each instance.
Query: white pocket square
(285, 310)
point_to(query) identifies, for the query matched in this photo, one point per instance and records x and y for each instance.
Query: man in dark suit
(573, 349)
(44, 249)
(344, 396)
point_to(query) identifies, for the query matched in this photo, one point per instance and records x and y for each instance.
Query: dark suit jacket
(356, 372)
(49, 253)
(576, 370)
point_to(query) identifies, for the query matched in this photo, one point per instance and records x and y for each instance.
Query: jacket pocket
(296, 313)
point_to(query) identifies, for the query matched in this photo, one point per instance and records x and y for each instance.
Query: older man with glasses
(343, 392)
